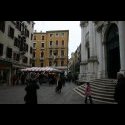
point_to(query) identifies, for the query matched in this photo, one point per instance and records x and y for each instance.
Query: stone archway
(112, 51)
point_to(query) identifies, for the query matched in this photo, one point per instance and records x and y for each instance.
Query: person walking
(59, 84)
(31, 90)
(88, 93)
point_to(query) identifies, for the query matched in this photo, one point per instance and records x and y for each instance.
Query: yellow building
(51, 49)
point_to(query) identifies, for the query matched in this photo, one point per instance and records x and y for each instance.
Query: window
(51, 35)
(16, 42)
(42, 54)
(42, 37)
(62, 42)
(30, 61)
(34, 54)
(31, 36)
(50, 53)
(56, 42)
(34, 45)
(1, 49)
(9, 53)
(62, 63)
(16, 56)
(62, 52)
(31, 50)
(51, 43)
(42, 64)
(2, 26)
(88, 52)
(34, 37)
(11, 32)
(62, 34)
(33, 64)
(26, 46)
(56, 52)
(42, 45)
(50, 63)
(25, 59)
(57, 34)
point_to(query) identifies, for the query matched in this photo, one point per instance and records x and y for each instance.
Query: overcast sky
(72, 26)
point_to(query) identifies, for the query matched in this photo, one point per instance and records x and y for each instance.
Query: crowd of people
(31, 80)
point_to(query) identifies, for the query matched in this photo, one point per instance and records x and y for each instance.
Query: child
(88, 93)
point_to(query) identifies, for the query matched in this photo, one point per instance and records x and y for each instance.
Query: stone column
(91, 39)
(83, 24)
(100, 55)
(121, 25)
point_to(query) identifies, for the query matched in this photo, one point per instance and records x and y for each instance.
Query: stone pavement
(46, 95)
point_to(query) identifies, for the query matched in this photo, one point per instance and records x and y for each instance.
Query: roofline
(38, 33)
(57, 31)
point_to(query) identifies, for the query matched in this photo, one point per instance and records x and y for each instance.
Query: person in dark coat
(59, 84)
(31, 90)
(120, 90)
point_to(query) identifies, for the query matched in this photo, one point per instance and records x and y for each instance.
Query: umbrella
(41, 69)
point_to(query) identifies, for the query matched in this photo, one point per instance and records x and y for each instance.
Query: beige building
(51, 49)
(15, 47)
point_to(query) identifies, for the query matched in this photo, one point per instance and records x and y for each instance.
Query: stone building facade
(15, 47)
(102, 49)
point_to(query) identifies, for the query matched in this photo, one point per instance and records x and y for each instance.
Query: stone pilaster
(121, 25)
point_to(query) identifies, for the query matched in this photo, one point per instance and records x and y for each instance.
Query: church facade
(102, 49)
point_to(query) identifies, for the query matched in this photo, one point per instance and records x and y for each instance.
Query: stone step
(99, 93)
(103, 86)
(102, 90)
(97, 98)
(99, 87)
(104, 83)
(106, 80)
(98, 90)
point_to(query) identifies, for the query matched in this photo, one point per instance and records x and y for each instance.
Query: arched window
(62, 63)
